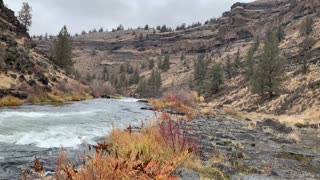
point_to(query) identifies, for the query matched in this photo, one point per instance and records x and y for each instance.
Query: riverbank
(216, 144)
(58, 97)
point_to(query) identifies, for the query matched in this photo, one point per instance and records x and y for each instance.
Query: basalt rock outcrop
(22, 68)
(234, 30)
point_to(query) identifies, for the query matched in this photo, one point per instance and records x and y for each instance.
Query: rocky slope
(236, 29)
(24, 71)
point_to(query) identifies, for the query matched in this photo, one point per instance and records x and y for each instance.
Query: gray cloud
(50, 15)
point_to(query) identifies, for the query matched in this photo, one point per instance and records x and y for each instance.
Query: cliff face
(22, 69)
(236, 29)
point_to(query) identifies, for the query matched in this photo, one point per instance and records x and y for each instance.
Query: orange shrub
(176, 103)
(127, 155)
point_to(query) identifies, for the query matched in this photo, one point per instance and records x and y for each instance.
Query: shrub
(127, 156)
(11, 101)
(101, 88)
(179, 101)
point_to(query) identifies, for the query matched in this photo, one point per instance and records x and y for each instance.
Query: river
(41, 130)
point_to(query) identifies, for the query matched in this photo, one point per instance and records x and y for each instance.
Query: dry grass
(57, 97)
(207, 112)
(127, 155)
(11, 101)
(230, 111)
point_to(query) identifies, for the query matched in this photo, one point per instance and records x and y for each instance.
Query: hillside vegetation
(117, 56)
(26, 75)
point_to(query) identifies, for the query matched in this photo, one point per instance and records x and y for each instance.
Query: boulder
(275, 125)
(185, 174)
(19, 94)
(143, 101)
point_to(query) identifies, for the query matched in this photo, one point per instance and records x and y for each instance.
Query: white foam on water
(69, 137)
(2, 158)
(129, 100)
(45, 114)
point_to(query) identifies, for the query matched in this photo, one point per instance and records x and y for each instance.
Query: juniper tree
(135, 77)
(228, 67)
(25, 15)
(200, 71)
(269, 74)
(237, 62)
(143, 65)
(250, 63)
(249, 69)
(154, 82)
(61, 51)
(214, 80)
(160, 62)
(183, 56)
(280, 33)
(105, 74)
(151, 64)
(306, 27)
(122, 68)
(120, 28)
(305, 51)
(142, 87)
(166, 63)
(123, 82)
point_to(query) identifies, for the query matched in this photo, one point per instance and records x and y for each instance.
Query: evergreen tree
(237, 62)
(228, 68)
(122, 68)
(166, 63)
(183, 56)
(146, 27)
(25, 15)
(151, 86)
(143, 65)
(61, 52)
(101, 29)
(268, 75)
(135, 77)
(160, 62)
(214, 80)
(120, 28)
(123, 83)
(200, 71)
(250, 64)
(88, 77)
(305, 49)
(154, 82)
(306, 27)
(151, 64)
(142, 87)
(280, 33)
(105, 75)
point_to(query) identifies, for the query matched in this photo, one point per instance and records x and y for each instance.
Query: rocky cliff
(23, 71)
(236, 29)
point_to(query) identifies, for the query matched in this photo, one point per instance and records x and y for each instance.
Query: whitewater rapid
(68, 125)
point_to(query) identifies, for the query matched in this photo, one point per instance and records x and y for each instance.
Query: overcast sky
(50, 15)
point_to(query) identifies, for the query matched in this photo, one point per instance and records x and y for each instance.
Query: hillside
(236, 29)
(23, 71)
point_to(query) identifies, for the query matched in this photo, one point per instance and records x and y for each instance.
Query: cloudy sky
(50, 15)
